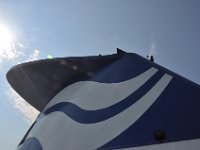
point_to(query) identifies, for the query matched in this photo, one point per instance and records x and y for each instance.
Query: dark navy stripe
(31, 143)
(94, 116)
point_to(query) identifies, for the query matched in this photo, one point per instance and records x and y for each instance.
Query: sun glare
(6, 38)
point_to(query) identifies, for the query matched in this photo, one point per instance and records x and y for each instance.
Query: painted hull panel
(108, 102)
(183, 145)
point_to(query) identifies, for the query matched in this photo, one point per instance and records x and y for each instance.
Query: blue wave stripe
(94, 116)
(31, 143)
(175, 111)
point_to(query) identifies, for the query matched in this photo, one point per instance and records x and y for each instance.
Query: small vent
(160, 135)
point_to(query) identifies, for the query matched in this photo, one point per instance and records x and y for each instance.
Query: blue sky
(61, 28)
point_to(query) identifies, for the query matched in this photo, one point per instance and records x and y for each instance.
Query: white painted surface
(100, 95)
(58, 131)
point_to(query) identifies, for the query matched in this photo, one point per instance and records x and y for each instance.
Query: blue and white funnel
(120, 101)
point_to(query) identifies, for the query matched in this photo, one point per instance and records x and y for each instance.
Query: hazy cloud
(21, 45)
(35, 55)
(10, 53)
(152, 50)
(29, 112)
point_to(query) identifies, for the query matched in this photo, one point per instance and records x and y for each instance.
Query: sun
(6, 37)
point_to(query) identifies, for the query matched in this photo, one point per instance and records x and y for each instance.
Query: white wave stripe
(58, 131)
(92, 95)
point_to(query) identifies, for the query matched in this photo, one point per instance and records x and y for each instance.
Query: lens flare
(6, 38)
